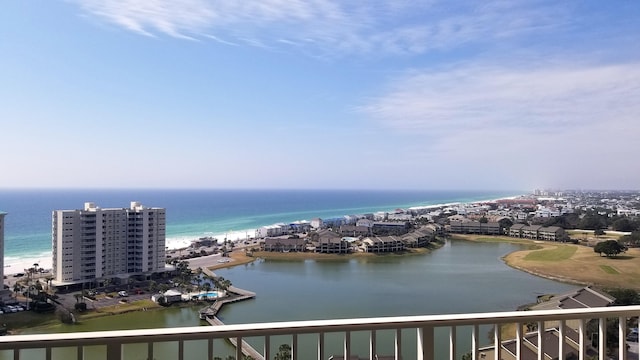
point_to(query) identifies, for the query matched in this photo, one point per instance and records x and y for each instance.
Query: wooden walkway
(247, 350)
(209, 313)
(238, 295)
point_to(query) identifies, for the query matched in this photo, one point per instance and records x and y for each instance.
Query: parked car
(122, 294)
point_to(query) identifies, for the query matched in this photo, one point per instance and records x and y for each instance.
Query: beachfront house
(365, 222)
(329, 242)
(354, 230)
(381, 244)
(475, 227)
(284, 244)
(419, 238)
(271, 230)
(390, 227)
(316, 223)
(301, 226)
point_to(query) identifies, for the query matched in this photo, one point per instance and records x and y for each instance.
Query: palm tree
(106, 282)
(206, 287)
(198, 275)
(49, 280)
(222, 283)
(17, 288)
(152, 286)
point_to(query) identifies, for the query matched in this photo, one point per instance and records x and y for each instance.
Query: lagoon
(460, 277)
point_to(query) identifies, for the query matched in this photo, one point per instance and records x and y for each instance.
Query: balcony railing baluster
(518, 340)
(452, 343)
(497, 335)
(541, 340)
(582, 334)
(475, 342)
(294, 347)
(238, 347)
(622, 338)
(602, 337)
(320, 346)
(347, 345)
(398, 344)
(561, 340)
(372, 345)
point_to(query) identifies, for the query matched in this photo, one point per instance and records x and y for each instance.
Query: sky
(320, 94)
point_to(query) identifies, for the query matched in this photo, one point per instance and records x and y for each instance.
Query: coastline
(44, 260)
(239, 257)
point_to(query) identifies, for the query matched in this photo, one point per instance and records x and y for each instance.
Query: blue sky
(320, 94)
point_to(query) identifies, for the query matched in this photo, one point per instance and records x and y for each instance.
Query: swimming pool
(211, 295)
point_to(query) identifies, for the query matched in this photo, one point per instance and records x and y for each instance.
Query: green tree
(631, 240)
(505, 223)
(153, 286)
(625, 296)
(206, 287)
(623, 224)
(198, 275)
(592, 222)
(610, 248)
(221, 283)
(284, 352)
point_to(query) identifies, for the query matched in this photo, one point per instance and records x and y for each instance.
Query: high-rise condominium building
(97, 243)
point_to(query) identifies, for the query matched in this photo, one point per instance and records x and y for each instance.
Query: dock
(238, 295)
(234, 294)
(247, 350)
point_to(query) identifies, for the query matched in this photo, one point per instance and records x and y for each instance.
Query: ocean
(192, 214)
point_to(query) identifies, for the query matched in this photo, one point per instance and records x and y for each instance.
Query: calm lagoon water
(461, 277)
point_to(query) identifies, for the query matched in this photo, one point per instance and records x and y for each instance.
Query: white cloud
(561, 125)
(329, 26)
(472, 97)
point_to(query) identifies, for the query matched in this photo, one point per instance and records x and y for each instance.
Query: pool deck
(237, 294)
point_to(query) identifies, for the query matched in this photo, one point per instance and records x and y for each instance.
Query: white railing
(434, 337)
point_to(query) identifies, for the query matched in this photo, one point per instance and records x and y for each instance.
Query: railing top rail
(315, 326)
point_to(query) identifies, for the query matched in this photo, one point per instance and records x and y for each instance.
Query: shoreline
(584, 268)
(239, 257)
(16, 264)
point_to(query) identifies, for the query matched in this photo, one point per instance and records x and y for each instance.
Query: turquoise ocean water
(195, 213)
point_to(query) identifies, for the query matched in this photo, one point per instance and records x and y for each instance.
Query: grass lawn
(558, 253)
(577, 264)
(123, 308)
(608, 269)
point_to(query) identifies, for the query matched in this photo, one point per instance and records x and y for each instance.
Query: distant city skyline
(319, 94)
